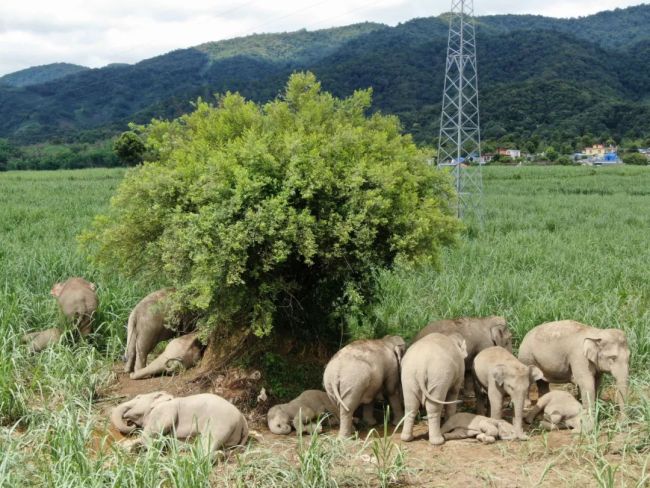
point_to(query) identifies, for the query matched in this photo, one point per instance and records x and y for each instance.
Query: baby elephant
(78, 302)
(465, 425)
(300, 413)
(37, 341)
(500, 373)
(215, 420)
(184, 351)
(432, 375)
(561, 409)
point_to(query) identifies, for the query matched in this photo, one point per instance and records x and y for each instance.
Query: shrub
(636, 158)
(277, 214)
(129, 148)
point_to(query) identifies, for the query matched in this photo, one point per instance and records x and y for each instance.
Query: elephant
(185, 351)
(360, 373)
(146, 328)
(432, 375)
(568, 351)
(300, 413)
(560, 409)
(218, 422)
(479, 333)
(499, 372)
(78, 302)
(465, 425)
(37, 341)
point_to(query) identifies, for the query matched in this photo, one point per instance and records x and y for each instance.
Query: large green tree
(276, 216)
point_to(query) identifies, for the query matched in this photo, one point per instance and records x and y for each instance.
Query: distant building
(512, 153)
(600, 150)
(645, 150)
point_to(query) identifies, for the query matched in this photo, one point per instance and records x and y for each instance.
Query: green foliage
(40, 74)
(129, 148)
(564, 160)
(636, 158)
(551, 153)
(276, 213)
(61, 156)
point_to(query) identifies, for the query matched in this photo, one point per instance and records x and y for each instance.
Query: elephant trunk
(117, 418)
(519, 400)
(621, 377)
(157, 366)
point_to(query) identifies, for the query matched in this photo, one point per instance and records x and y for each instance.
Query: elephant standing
(432, 375)
(185, 350)
(568, 351)
(362, 372)
(479, 333)
(78, 302)
(500, 373)
(219, 423)
(146, 328)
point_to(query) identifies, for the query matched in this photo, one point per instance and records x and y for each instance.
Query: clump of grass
(389, 459)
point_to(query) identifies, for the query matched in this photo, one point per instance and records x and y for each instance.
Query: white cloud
(97, 32)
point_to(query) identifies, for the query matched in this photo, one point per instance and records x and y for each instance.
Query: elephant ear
(499, 374)
(496, 333)
(590, 348)
(399, 351)
(536, 374)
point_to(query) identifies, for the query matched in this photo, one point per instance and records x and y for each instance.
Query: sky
(95, 33)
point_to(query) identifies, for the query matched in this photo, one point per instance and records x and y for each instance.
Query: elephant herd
(447, 357)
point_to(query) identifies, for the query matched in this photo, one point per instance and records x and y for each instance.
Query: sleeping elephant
(37, 341)
(184, 351)
(560, 409)
(362, 372)
(499, 373)
(148, 325)
(487, 430)
(219, 423)
(432, 375)
(568, 351)
(479, 333)
(300, 413)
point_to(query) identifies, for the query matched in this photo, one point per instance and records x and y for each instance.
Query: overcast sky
(98, 32)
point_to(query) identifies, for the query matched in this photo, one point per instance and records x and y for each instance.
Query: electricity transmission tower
(459, 146)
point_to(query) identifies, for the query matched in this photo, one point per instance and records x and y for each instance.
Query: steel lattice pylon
(459, 146)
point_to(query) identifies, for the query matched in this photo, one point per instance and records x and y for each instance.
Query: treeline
(57, 156)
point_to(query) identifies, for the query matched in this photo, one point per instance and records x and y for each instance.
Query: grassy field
(558, 243)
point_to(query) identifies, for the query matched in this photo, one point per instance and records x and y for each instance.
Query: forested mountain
(540, 78)
(40, 74)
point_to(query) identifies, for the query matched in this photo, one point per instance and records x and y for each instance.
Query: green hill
(40, 74)
(554, 79)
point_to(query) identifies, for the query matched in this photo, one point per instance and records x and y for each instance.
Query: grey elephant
(560, 409)
(432, 375)
(42, 339)
(479, 333)
(464, 425)
(218, 422)
(78, 302)
(300, 413)
(362, 372)
(147, 326)
(184, 351)
(568, 351)
(499, 373)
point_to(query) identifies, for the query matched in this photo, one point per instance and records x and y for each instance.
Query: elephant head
(279, 421)
(608, 352)
(460, 343)
(130, 415)
(397, 344)
(500, 333)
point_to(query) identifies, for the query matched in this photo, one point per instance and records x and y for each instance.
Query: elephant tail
(426, 392)
(337, 394)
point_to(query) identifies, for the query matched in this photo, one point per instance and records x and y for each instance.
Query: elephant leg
(434, 412)
(587, 385)
(369, 414)
(395, 403)
(452, 396)
(517, 420)
(468, 386)
(546, 425)
(485, 438)
(532, 414)
(481, 407)
(496, 403)
(460, 433)
(346, 428)
(412, 407)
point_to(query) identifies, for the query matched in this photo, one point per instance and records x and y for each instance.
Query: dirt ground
(547, 459)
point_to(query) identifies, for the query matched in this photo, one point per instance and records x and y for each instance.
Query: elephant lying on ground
(78, 302)
(184, 351)
(362, 372)
(499, 373)
(568, 351)
(146, 328)
(560, 409)
(300, 413)
(219, 423)
(479, 333)
(465, 425)
(432, 375)
(37, 341)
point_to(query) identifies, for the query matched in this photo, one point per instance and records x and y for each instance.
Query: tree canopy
(276, 215)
